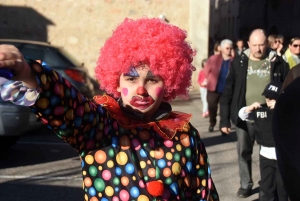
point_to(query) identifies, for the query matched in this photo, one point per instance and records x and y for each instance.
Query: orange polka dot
(87, 182)
(100, 156)
(151, 172)
(166, 172)
(124, 181)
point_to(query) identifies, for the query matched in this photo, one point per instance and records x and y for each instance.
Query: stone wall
(82, 26)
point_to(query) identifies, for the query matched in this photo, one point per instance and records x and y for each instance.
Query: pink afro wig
(148, 41)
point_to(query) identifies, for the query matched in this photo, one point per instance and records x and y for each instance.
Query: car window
(54, 57)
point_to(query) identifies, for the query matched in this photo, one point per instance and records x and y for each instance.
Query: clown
(132, 145)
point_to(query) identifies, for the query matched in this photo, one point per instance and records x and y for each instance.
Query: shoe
(210, 129)
(244, 193)
(224, 134)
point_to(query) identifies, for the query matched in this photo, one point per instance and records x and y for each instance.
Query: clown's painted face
(141, 90)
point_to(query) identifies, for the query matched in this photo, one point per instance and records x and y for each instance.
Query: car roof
(28, 42)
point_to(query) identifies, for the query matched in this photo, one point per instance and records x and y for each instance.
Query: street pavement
(221, 152)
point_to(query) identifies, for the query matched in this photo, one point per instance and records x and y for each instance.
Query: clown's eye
(131, 79)
(153, 80)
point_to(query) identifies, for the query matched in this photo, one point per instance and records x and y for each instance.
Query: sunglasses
(296, 45)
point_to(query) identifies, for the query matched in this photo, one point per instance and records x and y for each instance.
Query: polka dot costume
(122, 158)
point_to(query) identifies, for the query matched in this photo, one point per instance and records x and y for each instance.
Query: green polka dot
(93, 171)
(188, 152)
(99, 184)
(168, 181)
(111, 152)
(157, 173)
(146, 178)
(116, 181)
(176, 157)
(201, 172)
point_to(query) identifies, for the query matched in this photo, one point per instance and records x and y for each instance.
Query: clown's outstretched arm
(56, 102)
(12, 60)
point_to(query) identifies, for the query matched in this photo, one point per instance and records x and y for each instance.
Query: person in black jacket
(286, 129)
(271, 184)
(248, 74)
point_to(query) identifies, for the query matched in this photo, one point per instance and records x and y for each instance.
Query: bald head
(257, 44)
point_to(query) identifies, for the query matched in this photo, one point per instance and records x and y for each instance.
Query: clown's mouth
(141, 103)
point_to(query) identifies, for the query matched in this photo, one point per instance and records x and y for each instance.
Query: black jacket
(233, 97)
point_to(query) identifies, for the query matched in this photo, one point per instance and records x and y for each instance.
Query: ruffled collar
(165, 122)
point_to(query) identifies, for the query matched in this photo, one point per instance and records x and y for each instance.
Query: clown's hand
(13, 61)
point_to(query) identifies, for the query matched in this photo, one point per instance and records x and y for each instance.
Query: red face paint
(125, 91)
(158, 91)
(142, 91)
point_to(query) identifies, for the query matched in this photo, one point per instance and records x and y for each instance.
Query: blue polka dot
(189, 166)
(143, 153)
(134, 192)
(118, 171)
(114, 142)
(161, 163)
(129, 168)
(208, 170)
(117, 189)
(92, 191)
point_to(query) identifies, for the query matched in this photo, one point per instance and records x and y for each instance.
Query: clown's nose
(142, 91)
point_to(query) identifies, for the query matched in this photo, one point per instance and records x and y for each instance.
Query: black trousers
(245, 141)
(213, 99)
(271, 185)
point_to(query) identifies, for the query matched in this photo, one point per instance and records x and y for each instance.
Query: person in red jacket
(216, 70)
(203, 91)
(132, 145)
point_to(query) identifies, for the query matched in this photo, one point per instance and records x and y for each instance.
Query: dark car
(16, 120)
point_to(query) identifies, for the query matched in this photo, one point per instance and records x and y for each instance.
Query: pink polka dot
(136, 144)
(115, 198)
(169, 163)
(125, 91)
(142, 184)
(168, 143)
(124, 195)
(106, 175)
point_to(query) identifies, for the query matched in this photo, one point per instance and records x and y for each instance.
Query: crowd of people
(245, 83)
(132, 145)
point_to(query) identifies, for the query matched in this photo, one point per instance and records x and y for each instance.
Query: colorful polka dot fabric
(123, 158)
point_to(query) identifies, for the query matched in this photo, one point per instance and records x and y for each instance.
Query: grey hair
(225, 41)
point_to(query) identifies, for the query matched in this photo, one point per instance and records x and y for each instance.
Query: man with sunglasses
(249, 73)
(292, 54)
(216, 70)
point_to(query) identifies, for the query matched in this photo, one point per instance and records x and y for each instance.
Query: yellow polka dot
(142, 198)
(100, 195)
(44, 79)
(140, 173)
(121, 158)
(197, 166)
(83, 172)
(204, 182)
(85, 197)
(100, 168)
(110, 163)
(143, 164)
(152, 154)
(89, 159)
(133, 178)
(178, 147)
(169, 156)
(109, 191)
(198, 191)
(176, 169)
